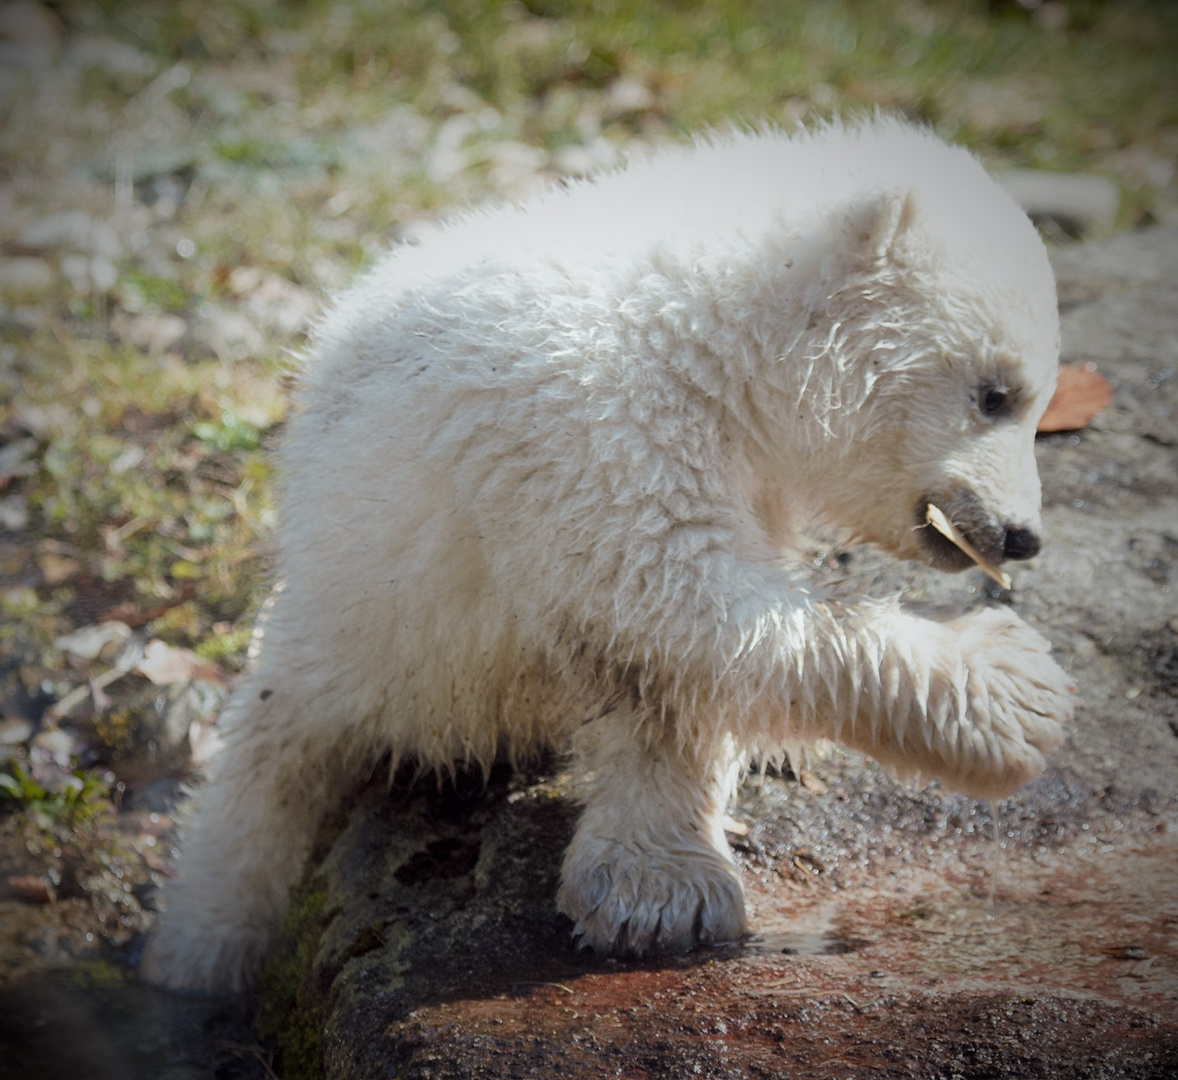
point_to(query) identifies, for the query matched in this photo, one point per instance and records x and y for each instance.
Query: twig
(125, 665)
(554, 985)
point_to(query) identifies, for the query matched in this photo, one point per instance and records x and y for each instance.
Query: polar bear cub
(543, 489)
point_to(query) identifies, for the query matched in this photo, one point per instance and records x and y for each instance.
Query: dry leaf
(14, 511)
(57, 568)
(89, 642)
(15, 730)
(36, 890)
(165, 665)
(17, 459)
(1126, 952)
(1080, 393)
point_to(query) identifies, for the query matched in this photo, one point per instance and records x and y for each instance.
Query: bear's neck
(775, 340)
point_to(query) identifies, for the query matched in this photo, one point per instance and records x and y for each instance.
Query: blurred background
(183, 183)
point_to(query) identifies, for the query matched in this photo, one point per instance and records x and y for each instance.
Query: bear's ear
(876, 227)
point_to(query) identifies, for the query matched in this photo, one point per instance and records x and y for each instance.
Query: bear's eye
(992, 400)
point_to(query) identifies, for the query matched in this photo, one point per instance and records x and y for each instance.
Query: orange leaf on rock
(1080, 393)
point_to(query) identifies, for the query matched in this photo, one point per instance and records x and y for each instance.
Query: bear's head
(949, 326)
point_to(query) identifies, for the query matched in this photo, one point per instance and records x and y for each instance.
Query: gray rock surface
(1077, 203)
(895, 932)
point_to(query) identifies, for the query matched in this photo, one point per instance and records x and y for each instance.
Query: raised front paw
(1017, 700)
(627, 898)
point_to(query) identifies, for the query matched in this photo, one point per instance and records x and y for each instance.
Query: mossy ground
(291, 1014)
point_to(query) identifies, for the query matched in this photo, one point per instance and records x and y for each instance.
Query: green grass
(83, 795)
(707, 61)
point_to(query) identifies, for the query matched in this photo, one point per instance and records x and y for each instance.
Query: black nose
(1020, 544)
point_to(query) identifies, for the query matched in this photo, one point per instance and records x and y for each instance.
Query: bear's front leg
(648, 869)
(973, 700)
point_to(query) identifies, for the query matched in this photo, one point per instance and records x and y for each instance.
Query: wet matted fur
(543, 489)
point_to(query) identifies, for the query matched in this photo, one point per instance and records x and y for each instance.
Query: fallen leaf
(36, 890)
(154, 333)
(31, 419)
(57, 745)
(163, 665)
(89, 642)
(25, 275)
(134, 616)
(14, 512)
(57, 568)
(14, 730)
(1080, 393)
(16, 458)
(1126, 952)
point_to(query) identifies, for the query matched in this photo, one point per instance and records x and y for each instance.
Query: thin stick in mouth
(935, 516)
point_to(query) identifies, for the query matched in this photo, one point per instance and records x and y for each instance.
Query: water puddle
(996, 847)
(98, 1022)
(810, 933)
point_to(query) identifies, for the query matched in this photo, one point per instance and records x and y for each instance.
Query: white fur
(543, 490)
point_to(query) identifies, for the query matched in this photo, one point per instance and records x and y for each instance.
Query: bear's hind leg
(248, 835)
